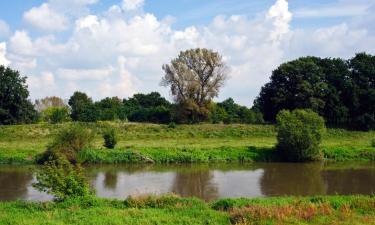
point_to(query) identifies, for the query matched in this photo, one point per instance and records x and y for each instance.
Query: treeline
(341, 91)
(16, 108)
(151, 108)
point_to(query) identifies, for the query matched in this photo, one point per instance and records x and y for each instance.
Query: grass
(174, 210)
(184, 143)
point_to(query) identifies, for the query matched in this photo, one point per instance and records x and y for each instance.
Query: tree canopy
(342, 91)
(15, 108)
(195, 78)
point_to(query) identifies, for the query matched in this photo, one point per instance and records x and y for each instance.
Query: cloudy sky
(117, 47)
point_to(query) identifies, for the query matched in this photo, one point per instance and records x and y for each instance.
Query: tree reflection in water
(110, 180)
(14, 183)
(292, 179)
(195, 183)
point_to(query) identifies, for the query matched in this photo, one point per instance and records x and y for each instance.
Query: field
(175, 210)
(184, 143)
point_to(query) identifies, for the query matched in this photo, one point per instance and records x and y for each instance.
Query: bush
(299, 135)
(110, 139)
(55, 115)
(373, 143)
(68, 142)
(172, 125)
(62, 180)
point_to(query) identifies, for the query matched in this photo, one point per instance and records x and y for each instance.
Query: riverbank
(151, 143)
(175, 210)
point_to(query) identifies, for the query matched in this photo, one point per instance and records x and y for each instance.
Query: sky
(117, 47)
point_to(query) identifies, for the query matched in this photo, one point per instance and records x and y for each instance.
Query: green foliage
(174, 210)
(110, 138)
(373, 142)
(68, 142)
(55, 115)
(186, 143)
(299, 135)
(172, 125)
(15, 108)
(83, 108)
(148, 108)
(58, 177)
(339, 90)
(195, 78)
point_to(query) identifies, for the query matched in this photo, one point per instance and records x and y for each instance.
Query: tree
(148, 108)
(15, 108)
(83, 108)
(195, 78)
(44, 103)
(299, 134)
(361, 103)
(296, 84)
(111, 109)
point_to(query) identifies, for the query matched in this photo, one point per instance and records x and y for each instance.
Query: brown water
(206, 181)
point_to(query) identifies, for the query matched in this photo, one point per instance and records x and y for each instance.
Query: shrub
(56, 115)
(373, 142)
(62, 180)
(172, 125)
(68, 142)
(299, 135)
(110, 139)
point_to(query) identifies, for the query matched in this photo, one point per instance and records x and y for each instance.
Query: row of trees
(151, 108)
(342, 91)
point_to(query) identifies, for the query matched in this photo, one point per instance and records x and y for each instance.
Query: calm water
(208, 182)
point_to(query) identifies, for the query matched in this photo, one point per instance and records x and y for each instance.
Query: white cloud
(118, 52)
(45, 18)
(84, 74)
(3, 49)
(4, 29)
(45, 81)
(343, 8)
(132, 4)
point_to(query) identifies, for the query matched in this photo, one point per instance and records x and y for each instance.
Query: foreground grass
(185, 143)
(174, 210)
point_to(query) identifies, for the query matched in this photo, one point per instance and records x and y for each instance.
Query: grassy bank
(174, 210)
(185, 143)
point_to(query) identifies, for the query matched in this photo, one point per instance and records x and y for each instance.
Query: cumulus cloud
(129, 5)
(45, 18)
(4, 29)
(118, 52)
(3, 49)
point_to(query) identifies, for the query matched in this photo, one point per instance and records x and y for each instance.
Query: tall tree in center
(195, 78)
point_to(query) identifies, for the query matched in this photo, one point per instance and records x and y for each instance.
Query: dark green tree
(296, 84)
(148, 108)
(83, 108)
(362, 101)
(111, 109)
(15, 108)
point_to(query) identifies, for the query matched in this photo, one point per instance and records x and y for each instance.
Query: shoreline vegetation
(170, 209)
(154, 143)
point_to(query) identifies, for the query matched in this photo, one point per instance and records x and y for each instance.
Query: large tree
(195, 78)
(15, 108)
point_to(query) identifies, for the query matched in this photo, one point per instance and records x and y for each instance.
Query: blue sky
(117, 47)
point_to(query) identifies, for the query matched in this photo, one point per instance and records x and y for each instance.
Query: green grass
(175, 210)
(185, 143)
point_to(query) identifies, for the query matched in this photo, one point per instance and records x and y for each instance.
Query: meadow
(140, 143)
(170, 209)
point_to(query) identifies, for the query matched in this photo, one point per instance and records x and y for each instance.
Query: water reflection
(292, 179)
(199, 183)
(208, 182)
